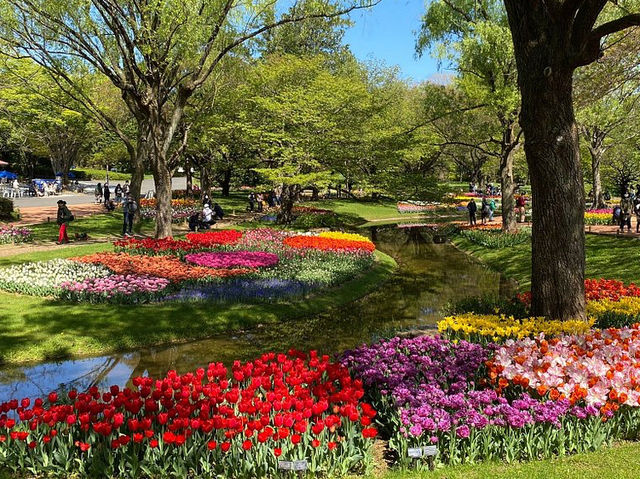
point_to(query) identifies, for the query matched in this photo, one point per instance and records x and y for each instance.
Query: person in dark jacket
(129, 209)
(218, 213)
(106, 194)
(98, 192)
(472, 208)
(118, 192)
(484, 210)
(64, 218)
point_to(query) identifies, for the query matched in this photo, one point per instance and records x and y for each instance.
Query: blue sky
(387, 32)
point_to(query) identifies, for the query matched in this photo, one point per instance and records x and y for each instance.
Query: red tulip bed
(236, 423)
(220, 265)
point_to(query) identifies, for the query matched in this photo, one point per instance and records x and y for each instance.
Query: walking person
(129, 209)
(252, 201)
(472, 208)
(492, 209)
(636, 210)
(520, 206)
(126, 188)
(64, 218)
(626, 205)
(484, 210)
(118, 192)
(98, 192)
(259, 201)
(106, 194)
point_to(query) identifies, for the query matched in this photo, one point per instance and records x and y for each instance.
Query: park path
(32, 215)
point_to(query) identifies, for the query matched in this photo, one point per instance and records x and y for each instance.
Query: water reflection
(429, 276)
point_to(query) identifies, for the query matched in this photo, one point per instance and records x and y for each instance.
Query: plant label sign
(414, 452)
(285, 465)
(300, 465)
(430, 450)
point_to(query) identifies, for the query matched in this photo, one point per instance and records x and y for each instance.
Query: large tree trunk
(162, 179)
(596, 150)
(508, 188)
(598, 195)
(225, 182)
(189, 175)
(553, 155)
(287, 201)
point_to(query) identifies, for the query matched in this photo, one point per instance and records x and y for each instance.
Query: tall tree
(552, 38)
(157, 53)
(607, 100)
(474, 37)
(43, 120)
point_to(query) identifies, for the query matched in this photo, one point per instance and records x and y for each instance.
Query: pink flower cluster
(263, 238)
(117, 284)
(603, 211)
(233, 259)
(601, 368)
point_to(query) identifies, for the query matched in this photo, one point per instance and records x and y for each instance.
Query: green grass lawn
(102, 225)
(621, 461)
(37, 329)
(367, 213)
(607, 257)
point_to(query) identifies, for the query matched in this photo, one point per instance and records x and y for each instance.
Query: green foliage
(6, 209)
(497, 239)
(308, 221)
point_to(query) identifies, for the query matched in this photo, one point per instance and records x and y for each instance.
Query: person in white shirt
(16, 185)
(207, 214)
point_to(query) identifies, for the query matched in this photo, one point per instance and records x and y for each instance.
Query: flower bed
(328, 244)
(407, 207)
(597, 289)
(198, 265)
(128, 288)
(598, 217)
(599, 369)
(181, 209)
(167, 267)
(490, 328)
(245, 290)
(214, 238)
(526, 400)
(11, 235)
(233, 259)
(211, 423)
(44, 278)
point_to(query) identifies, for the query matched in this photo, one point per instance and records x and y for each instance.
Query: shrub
(6, 209)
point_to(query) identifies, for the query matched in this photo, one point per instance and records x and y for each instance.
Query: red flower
(71, 419)
(32, 445)
(369, 432)
(169, 437)
(295, 439)
(277, 451)
(84, 447)
(332, 445)
(53, 397)
(211, 445)
(225, 446)
(25, 403)
(246, 445)
(315, 443)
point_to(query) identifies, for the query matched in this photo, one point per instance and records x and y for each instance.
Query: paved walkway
(42, 214)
